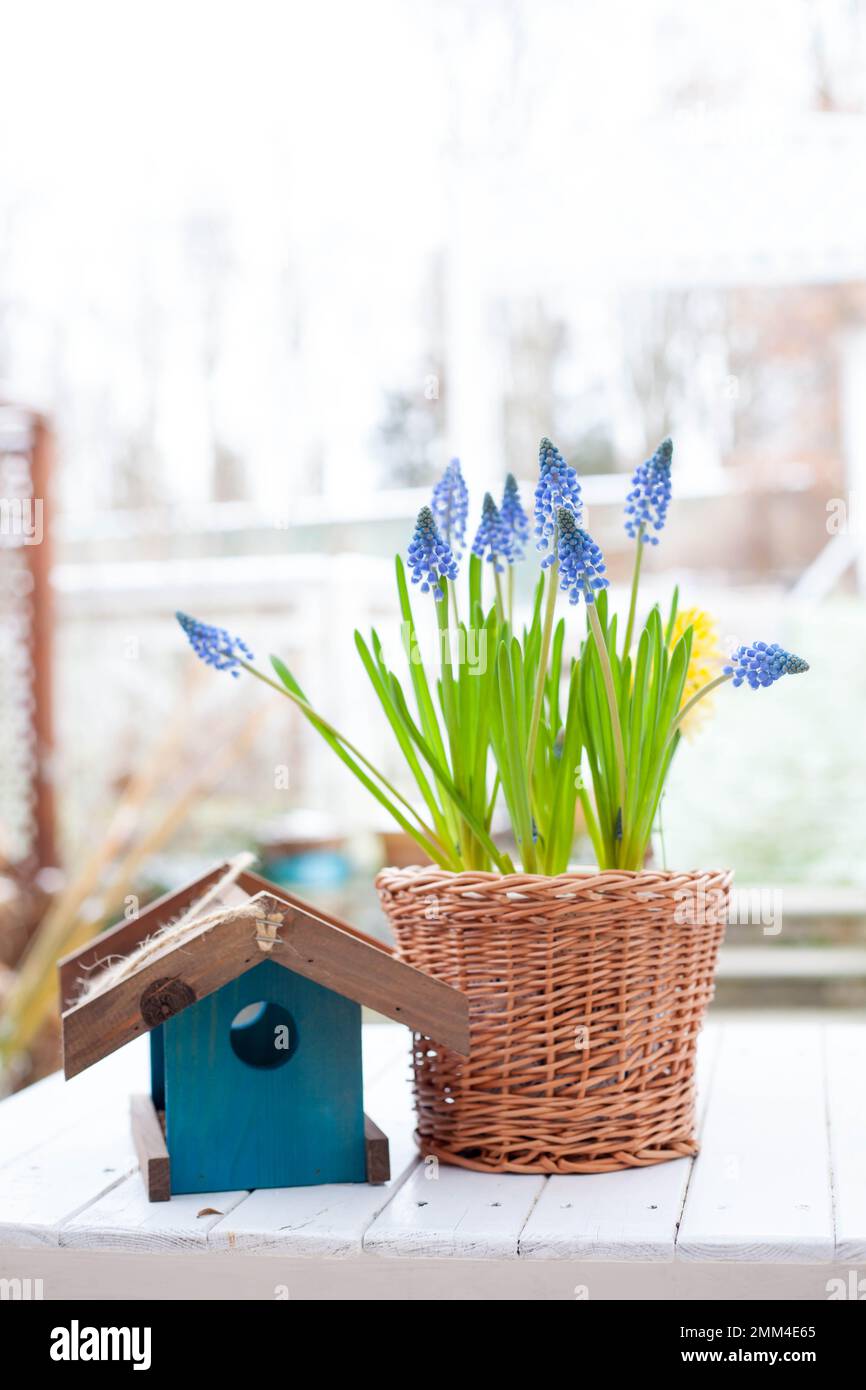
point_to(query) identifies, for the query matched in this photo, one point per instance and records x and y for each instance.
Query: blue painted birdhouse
(253, 1004)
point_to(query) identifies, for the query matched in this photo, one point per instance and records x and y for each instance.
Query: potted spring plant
(587, 987)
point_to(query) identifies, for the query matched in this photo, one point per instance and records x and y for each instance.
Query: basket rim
(580, 875)
(578, 872)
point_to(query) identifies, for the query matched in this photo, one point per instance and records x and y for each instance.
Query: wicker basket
(587, 993)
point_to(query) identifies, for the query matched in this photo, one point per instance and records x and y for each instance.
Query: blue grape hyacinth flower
(647, 503)
(581, 563)
(492, 539)
(763, 664)
(430, 557)
(557, 487)
(514, 518)
(214, 645)
(450, 507)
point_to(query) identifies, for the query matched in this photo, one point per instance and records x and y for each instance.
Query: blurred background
(265, 268)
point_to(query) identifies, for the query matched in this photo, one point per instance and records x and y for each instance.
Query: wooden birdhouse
(253, 1005)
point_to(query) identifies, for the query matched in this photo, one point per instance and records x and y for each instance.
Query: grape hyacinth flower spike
(214, 645)
(430, 557)
(557, 488)
(450, 506)
(514, 518)
(581, 563)
(647, 503)
(762, 664)
(492, 540)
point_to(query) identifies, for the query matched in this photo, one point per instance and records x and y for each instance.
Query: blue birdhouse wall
(262, 1085)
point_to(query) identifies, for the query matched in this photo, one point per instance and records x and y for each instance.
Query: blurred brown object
(43, 1056)
(401, 851)
(21, 909)
(27, 449)
(23, 903)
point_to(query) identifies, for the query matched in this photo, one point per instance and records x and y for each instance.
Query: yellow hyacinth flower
(705, 663)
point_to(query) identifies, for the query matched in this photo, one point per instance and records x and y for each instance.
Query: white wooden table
(774, 1206)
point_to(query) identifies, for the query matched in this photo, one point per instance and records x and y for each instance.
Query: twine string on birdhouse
(110, 970)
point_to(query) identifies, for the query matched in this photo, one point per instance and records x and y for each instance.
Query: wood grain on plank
(124, 1220)
(760, 1187)
(149, 1142)
(376, 1146)
(442, 1210)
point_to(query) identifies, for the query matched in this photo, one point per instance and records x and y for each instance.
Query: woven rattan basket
(586, 996)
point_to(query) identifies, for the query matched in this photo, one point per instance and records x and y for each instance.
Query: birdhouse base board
(378, 1155)
(148, 1134)
(149, 1139)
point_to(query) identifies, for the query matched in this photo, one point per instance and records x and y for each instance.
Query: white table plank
(123, 1219)
(630, 1215)
(846, 1105)
(104, 1212)
(53, 1182)
(30, 1117)
(759, 1192)
(330, 1220)
(760, 1188)
(442, 1210)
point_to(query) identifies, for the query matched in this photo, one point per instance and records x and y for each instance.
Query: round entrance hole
(263, 1034)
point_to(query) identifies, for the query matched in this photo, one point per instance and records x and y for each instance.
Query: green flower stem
(312, 714)
(591, 825)
(452, 599)
(690, 704)
(543, 659)
(607, 674)
(635, 583)
(511, 596)
(497, 579)
(449, 699)
(672, 616)
(426, 708)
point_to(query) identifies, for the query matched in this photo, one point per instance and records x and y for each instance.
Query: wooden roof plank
(322, 952)
(172, 979)
(181, 972)
(126, 935)
(122, 939)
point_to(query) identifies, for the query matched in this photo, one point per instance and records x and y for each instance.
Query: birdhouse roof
(261, 922)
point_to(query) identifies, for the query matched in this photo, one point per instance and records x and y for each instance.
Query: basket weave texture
(586, 991)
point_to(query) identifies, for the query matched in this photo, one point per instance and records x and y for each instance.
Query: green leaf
(379, 679)
(420, 834)
(475, 824)
(672, 616)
